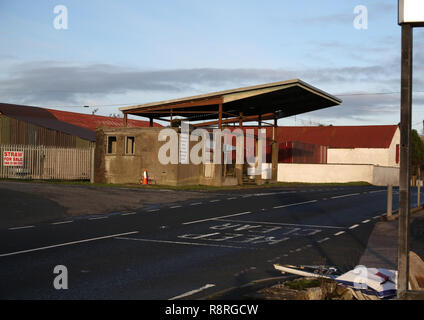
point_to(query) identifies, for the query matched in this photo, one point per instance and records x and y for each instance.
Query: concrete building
(115, 164)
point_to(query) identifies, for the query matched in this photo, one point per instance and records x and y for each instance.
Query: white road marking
(128, 213)
(295, 204)
(378, 191)
(179, 242)
(19, 228)
(195, 204)
(215, 218)
(217, 200)
(354, 226)
(190, 293)
(153, 210)
(175, 207)
(63, 222)
(67, 244)
(233, 198)
(366, 221)
(339, 233)
(281, 224)
(98, 218)
(323, 240)
(346, 195)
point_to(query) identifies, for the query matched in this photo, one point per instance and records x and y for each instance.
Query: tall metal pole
(405, 160)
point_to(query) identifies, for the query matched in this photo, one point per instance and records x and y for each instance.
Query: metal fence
(45, 163)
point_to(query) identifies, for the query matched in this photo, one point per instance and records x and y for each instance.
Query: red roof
(340, 136)
(91, 122)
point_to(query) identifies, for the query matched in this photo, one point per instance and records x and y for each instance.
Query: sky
(111, 54)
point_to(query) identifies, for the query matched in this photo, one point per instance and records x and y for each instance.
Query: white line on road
(175, 207)
(323, 240)
(217, 200)
(19, 228)
(63, 222)
(366, 221)
(282, 224)
(195, 204)
(354, 226)
(233, 198)
(128, 213)
(190, 293)
(153, 210)
(98, 218)
(295, 204)
(346, 195)
(339, 233)
(179, 242)
(67, 244)
(378, 191)
(215, 218)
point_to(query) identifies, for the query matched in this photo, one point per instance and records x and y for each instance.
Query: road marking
(323, 240)
(366, 221)
(98, 218)
(19, 228)
(215, 200)
(233, 198)
(215, 218)
(295, 204)
(62, 222)
(67, 244)
(339, 233)
(190, 293)
(179, 242)
(354, 226)
(153, 210)
(128, 213)
(174, 207)
(377, 191)
(282, 224)
(195, 204)
(346, 195)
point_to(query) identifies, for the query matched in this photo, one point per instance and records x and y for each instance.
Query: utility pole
(411, 14)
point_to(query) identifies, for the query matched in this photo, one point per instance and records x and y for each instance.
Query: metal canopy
(268, 101)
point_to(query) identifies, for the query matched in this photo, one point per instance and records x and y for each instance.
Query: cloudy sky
(118, 53)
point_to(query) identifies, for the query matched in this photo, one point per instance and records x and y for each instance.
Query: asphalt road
(193, 248)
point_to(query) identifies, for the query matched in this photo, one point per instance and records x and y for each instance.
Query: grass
(187, 188)
(303, 284)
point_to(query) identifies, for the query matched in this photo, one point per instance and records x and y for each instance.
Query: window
(129, 145)
(111, 145)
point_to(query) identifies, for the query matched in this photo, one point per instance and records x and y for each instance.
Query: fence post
(92, 165)
(418, 193)
(389, 201)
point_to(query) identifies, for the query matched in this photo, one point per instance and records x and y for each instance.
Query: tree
(417, 158)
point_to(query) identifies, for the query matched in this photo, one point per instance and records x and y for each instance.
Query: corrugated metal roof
(92, 122)
(72, 123)
(44, 118)
(341, 136)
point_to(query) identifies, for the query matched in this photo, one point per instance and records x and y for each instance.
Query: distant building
(26, 125)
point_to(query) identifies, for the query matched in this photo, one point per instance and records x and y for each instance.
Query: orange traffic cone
(144, 177)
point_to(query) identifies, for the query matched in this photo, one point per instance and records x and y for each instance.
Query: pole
(389, 201)
(405, 161)
(419, 194)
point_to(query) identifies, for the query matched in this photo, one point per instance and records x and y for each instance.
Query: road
(191, 248)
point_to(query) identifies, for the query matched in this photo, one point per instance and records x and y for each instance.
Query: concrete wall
(337, 173)
(377, 156)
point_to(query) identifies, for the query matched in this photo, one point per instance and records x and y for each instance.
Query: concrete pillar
(274, 152)
(239, 167)
(389, 201)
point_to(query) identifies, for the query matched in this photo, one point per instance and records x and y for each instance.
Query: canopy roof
(267, 101)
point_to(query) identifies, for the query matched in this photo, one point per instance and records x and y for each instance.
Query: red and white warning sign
(13, 158)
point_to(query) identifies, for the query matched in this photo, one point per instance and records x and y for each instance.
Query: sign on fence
(13, 158)
(45, 163)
